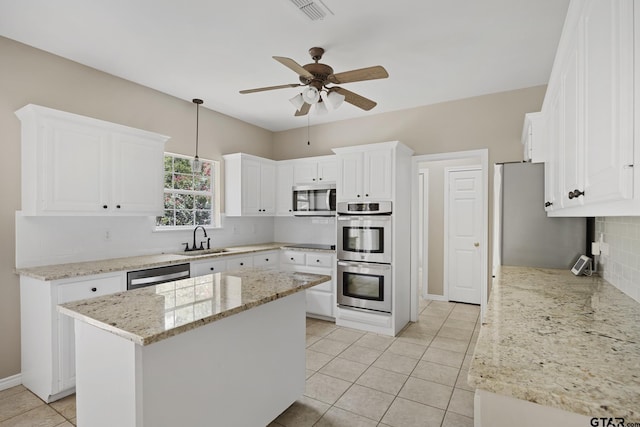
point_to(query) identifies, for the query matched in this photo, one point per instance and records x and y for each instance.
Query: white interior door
(463, 225)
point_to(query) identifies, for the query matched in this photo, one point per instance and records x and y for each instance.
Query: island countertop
(154, 313)
(563, 341)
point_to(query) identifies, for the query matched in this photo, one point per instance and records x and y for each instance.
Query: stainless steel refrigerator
(525, 235)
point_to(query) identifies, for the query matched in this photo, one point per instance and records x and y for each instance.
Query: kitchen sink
(203, 252)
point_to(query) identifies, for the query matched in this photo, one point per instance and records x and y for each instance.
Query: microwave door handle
(328, 200)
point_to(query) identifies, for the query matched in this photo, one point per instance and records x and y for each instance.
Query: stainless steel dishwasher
(154, 276)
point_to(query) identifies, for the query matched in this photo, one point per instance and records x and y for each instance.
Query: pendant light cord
(197, 126)
(308, 139)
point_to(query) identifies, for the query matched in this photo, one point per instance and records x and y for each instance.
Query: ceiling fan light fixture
(321, 108)
(297, 101)
(335, 99)
(310, 95)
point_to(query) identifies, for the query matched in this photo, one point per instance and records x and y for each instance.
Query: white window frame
(214, 193)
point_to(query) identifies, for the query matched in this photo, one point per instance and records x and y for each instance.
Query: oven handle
(370, 265)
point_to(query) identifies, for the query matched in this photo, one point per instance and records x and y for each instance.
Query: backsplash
(59, 240)
(621, 267)
(320, 230)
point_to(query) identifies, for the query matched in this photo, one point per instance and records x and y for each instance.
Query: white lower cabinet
(47, 337)
(231, 262)
(321, 299)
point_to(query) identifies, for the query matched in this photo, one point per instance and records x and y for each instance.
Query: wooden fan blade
(369, 73)
(304, 110)
(293, 65)
(355, 99)
(261, 89)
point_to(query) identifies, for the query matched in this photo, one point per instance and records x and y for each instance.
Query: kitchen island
(221, 349)
(556, 349)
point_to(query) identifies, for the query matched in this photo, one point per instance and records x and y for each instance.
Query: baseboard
(11, 381)
(436, 297)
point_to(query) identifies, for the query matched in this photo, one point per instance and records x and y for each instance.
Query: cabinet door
(378, 174)
(267, 189)
(305, 172)
(66, 360)
(349, 180)
(284, 195)
(251, 174)
(571, 125)
(608, 44)
(327, 170)
(75, 163)
(552, 188)
(319, 302)
(137, 178)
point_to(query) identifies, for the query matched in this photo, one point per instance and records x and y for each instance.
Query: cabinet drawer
(267, 259)
(89, 288)
(319, 260)
(237, 263)
(293, 257)
(207, 267)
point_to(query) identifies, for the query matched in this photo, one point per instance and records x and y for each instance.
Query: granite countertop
(563, 341)
(154, 313)
(88, 268)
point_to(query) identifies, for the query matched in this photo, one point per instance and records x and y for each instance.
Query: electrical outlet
(107, 235)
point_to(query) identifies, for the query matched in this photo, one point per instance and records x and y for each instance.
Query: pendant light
(196, 164)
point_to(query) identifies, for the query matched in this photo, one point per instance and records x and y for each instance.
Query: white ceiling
(434, 50)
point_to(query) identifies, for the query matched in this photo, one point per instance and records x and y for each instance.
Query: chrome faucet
(194, 247)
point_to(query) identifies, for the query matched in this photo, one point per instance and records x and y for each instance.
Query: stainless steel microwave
(314, 200)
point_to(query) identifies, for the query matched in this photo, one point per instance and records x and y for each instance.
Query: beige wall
(491, 121)
(29, 75)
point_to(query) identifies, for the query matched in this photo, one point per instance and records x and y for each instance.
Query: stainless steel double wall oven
(364, 254)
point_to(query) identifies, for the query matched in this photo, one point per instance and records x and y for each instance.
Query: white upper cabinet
(365, 173)
(534, 138)
(284, 184)
(315, 170)
(589, 113)
(250, 185)
(608, 100)
(76, 165)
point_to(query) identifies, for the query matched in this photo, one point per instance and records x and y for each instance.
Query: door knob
(476, 244)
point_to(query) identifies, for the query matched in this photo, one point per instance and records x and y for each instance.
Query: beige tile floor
(353, 378)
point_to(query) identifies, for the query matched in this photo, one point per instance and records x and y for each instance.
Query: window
(190, 199)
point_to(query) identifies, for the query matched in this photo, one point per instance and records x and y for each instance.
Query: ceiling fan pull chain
(308, 140)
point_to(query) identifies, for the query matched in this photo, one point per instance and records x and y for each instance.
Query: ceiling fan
(316, 76)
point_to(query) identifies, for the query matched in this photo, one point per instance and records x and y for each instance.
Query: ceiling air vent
(312, 9)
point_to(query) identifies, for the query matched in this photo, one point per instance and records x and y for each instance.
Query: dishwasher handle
(155, 276)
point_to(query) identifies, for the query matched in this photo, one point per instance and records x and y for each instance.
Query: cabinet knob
(242, 263)
(118, 206)
(266, 259)
(212, 268)
(366, 195)
(94, 289)
(547, 204)
(104, 206)
(358, 195)
(291, 258)
(575, 194)
(290, 210)
(313, 179)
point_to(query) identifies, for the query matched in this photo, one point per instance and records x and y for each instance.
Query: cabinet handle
(104, 206)
(547, 204)
(570, 195)
(94, 289)
(118, 206)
